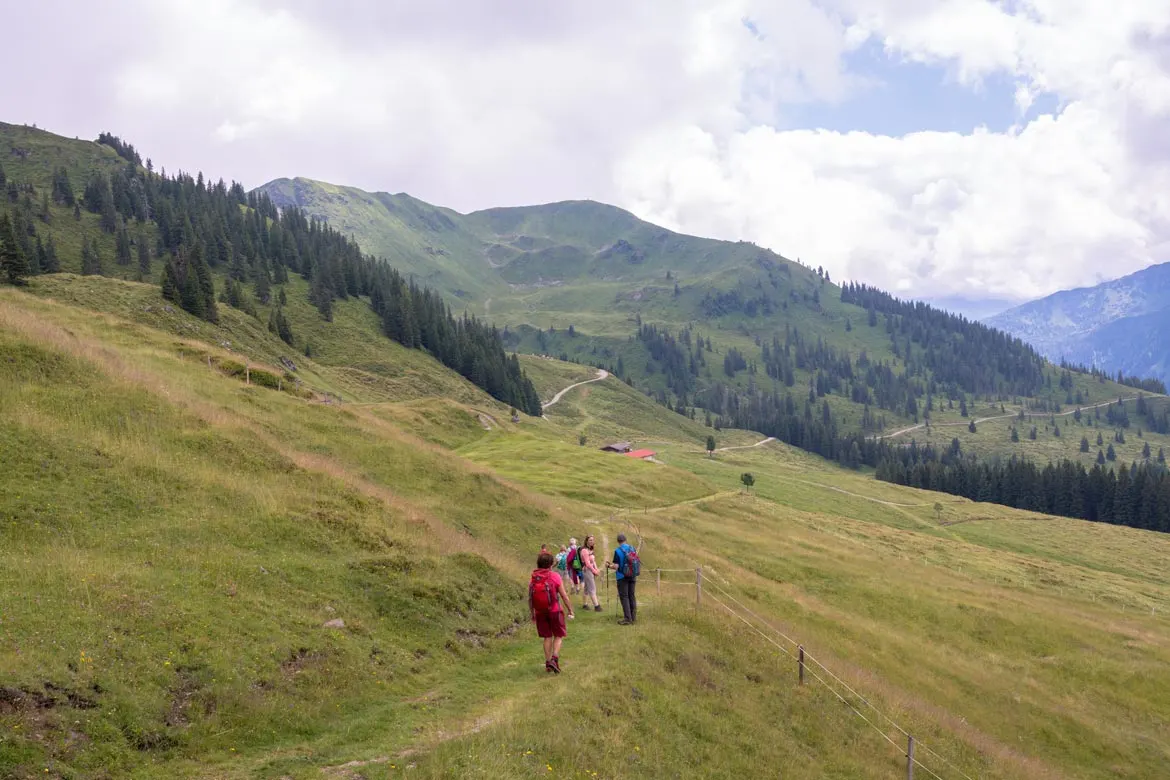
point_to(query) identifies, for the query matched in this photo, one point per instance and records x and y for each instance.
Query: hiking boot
(555, 665)
(624, 622)
(597, 608)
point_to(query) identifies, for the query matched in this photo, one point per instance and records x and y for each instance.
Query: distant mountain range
(1122, 325)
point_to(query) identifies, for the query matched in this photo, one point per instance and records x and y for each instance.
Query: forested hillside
(724, 333)
(188, 233)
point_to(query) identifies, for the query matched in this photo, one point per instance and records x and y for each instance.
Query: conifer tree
(91, 258)
(1100, 458)
(170, 282)
(263, 286)
(1110, 454)
(144, 269)
(123, 253)
(1146, 451)
(51, 263)
(13, 262)
(1084, 444)
(62, 188)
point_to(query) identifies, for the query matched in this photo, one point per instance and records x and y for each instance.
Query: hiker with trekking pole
(626, 566)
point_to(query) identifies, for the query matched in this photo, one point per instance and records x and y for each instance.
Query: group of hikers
(577, 564)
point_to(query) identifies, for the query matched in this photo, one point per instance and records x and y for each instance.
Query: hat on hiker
(621, 538)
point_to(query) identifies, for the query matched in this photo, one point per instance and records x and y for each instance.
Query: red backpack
(542, 592)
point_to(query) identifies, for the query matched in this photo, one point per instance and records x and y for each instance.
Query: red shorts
(550, 624)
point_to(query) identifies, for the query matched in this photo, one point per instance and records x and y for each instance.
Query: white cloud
(670, 107)
(1060, 202)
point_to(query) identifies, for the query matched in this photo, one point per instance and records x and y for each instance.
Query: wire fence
(861, 706)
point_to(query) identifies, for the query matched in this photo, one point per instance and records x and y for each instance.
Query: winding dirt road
(601, 374)
(981, 420)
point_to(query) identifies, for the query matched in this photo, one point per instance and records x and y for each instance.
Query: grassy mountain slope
(174, 540)
(29, 155)
(601, 271)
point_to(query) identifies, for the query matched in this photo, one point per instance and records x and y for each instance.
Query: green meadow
(174, 540)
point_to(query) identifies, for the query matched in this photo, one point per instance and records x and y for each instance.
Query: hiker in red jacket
(546, 591)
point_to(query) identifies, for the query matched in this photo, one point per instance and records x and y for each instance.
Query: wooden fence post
(800, 661)
(909, 758)
(658, 581)
(247, 374)
(698, 587)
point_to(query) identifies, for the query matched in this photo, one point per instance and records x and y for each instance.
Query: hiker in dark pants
(625, 584)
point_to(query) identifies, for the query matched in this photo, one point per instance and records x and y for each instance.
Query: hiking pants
(625, 587)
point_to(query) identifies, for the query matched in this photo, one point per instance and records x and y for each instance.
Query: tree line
(960, 354)
(1137, 495)
(202, 230)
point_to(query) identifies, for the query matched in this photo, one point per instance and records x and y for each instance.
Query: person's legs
(558, 636)
(633, 601)
(548, 648)
(589, 589)
(623, 588)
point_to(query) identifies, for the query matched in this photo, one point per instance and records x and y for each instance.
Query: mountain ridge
(1114, 325)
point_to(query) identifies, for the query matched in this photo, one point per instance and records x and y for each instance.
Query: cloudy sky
(972, 148)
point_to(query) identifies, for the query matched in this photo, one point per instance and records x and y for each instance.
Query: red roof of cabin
(640, 454)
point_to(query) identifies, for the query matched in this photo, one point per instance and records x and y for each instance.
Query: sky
(966, 150)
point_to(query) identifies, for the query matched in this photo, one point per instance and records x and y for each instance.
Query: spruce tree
(1100, 458)
(123, 255)
(1146, 451)
(51, 264)
(282, 298)
(13, 262)
(263, 286)
(1110, 453)
(1162, 455)
(1015, 435)
(144, 269)
(1084, 444)
(170, 282)
(190, 293)
(1100, 439)
(91, 257)
(205, 284)
(41, 257)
